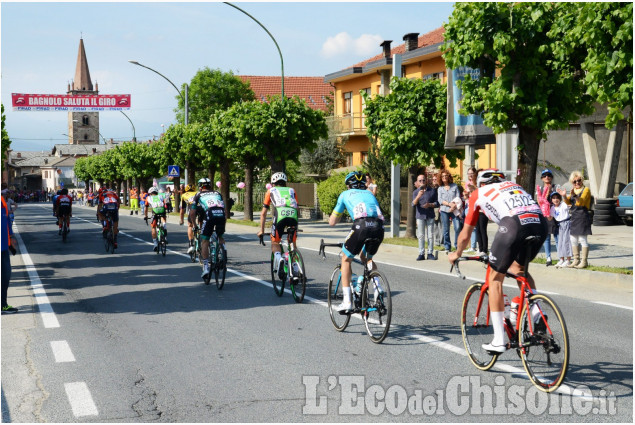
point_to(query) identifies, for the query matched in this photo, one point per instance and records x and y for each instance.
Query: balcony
(353, 124)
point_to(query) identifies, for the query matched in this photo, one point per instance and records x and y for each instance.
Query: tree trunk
(211, 172)
(528, 146)
(224, 180)
(190, 174)
(126, 191)
(411, 225)
(177, 195)
(249, 192)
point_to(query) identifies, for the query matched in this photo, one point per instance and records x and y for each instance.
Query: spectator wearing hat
(543, 198)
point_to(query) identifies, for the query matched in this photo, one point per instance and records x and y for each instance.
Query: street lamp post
(134, 133)
(183, 97)
(274, 40)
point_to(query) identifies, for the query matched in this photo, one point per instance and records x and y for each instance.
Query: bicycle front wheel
(335, 298)
(278, 284)
(377, 306)
(477, 328)
(544, 342)
(220, 268)
(163, 245)
(64, 232)
(298, 282)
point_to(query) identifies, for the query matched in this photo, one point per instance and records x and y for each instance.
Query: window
(364, 157)
(85, 120)
(348, 107)
(434, 76)
(85, 136)
(349, 159)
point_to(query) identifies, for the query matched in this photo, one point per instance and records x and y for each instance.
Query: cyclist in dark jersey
(368, 223)
(209, 205)
(64, 205)
(518, 216)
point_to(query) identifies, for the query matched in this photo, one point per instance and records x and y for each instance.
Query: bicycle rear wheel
(278, 284)
(298, 282)
(544, 343)
(476, 327)
(64, 230)
(163, 245)
(111, 238)
(220, 268)
(377, 306)
(335, 298)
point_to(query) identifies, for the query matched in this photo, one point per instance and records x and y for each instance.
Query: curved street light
(274, 40)
(134, 133)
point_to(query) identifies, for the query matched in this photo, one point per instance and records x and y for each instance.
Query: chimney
(386, 46)
(412, 41)
(19, 155)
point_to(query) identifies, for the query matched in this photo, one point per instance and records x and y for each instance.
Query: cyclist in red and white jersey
(518, 216)
(64, 205)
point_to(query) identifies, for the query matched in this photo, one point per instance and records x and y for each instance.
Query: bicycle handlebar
(323, 245)
(481, 258)
(262, 239)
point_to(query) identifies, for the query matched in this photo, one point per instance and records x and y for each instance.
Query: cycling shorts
(277, 229)
(156, 218)
(509, 243)
(114, 214)
(214, 220)
(363, 229)
(63, 210)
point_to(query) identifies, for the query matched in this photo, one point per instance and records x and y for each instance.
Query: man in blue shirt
(368, 223)
(7, 245)
(424, 198)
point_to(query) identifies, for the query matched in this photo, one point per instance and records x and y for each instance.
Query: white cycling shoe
(494, 348)
(345, 308)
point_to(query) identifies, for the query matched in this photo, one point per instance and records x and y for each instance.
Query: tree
(81, 170)
(286, 126)
(539, 61)
(410, 125)
(6, 141)
(328, 153)
(209, 91)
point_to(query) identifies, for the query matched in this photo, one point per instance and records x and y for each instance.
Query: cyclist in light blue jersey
(368, 223)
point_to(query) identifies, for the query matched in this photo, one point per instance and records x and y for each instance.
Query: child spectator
(560, 213)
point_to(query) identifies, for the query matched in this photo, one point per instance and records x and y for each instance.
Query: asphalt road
(137, 337)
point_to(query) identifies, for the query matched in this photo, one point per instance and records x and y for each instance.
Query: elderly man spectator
(424, 199)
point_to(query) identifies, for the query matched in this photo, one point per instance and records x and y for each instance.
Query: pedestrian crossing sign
(173, 171)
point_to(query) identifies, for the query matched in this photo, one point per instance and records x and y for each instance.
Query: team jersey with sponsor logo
(284, 201)
(156, 202)
(109, 199)
(204, 201)
(360, 203)
(64, 201)
(499, 200)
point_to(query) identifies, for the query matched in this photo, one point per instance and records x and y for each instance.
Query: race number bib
(360, 211)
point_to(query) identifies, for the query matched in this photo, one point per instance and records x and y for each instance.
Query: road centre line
(613, 305)
(80, 399)
(62, 352)
(46, 311)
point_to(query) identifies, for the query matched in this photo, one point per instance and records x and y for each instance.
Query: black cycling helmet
(64, 191)
(355, 180)
(59, 192)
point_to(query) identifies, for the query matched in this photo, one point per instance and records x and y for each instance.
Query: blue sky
(39, 43)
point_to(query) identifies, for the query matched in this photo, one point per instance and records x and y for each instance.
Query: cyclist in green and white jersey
(285, 214)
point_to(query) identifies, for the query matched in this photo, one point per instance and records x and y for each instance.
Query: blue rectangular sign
(174, 171)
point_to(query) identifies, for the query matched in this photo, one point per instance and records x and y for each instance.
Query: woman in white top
(560, 213)
(370, 184)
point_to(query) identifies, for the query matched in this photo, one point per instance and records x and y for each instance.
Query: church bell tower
(83, 127)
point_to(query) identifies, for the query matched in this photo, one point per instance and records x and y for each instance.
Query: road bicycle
(541, 343)
(294, 269)
(109, 235)
(217, 263)
(64, 229)
(162, 242)
(372, 298)
(196, 253)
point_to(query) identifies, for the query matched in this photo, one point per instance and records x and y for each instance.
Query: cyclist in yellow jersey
(186, 204)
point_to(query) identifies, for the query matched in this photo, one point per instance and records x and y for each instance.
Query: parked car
(624, 206)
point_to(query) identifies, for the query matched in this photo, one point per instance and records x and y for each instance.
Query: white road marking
(613, 305)
(46, 311)
(80, 399)
(62, 352)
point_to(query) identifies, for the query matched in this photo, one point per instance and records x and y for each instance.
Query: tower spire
(82, 80)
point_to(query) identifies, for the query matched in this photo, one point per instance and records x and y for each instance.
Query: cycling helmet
(64, 191)
(153, 190)
(188, 187)
(355, 180)
(204, 182)
(59, 192)
(489, 176)
(276, 177)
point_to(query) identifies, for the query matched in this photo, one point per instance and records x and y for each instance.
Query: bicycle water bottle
(513, 314)
(213, 251)
(507, 306)
(286, 260)
(354, 283)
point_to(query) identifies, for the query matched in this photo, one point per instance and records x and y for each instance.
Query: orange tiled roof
(433, 37)
(313, 90)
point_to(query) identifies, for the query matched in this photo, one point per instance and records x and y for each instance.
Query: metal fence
(304, 191)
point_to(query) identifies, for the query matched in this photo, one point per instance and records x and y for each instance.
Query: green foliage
(410, 122)
(379, 168)
(329, 190)
(6, 141)
(209, 91)
(327, 155)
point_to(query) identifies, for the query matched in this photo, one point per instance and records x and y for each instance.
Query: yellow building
(421, 58)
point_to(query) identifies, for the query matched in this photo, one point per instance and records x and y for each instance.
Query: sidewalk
(609, 246)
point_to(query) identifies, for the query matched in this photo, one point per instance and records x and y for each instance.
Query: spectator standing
(134, 200)
(142, 198)
(543, 198)
(370, 184)
(424, 198)
(471, 180)
(7, 246)
(481, 236)
(559, 213)
(168, 200)
(580, 201)
(447, 193)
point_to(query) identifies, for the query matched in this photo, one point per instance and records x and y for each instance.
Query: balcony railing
(349, 124)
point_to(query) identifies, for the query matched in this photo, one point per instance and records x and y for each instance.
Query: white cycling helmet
(489, 176)
(204, 182)
(152, 190)
(276, 177)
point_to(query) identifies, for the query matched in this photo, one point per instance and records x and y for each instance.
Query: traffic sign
(173, 171)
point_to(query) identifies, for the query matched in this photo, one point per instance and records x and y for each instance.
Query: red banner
(70, 102)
